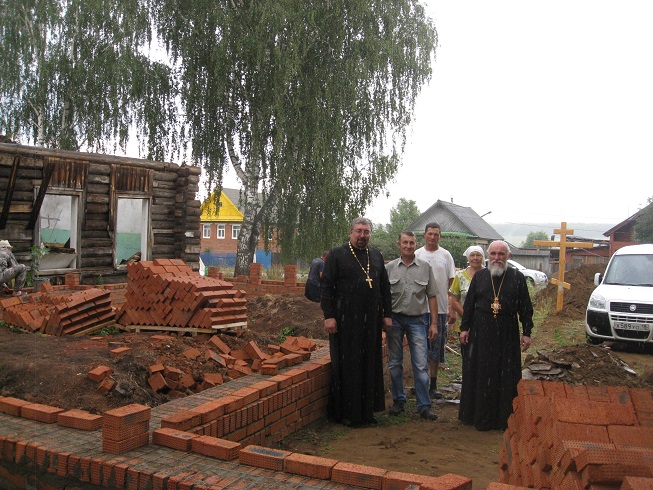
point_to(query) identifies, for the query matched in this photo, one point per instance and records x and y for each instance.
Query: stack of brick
(167, 292)
(126, 428)
(56, 314)
(564, 436)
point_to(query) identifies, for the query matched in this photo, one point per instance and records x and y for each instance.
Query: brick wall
(564, 436)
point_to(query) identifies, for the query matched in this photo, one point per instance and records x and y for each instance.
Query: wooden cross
(563, 244)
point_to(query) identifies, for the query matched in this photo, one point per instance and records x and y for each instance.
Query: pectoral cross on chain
(496, 306)
(369, 281)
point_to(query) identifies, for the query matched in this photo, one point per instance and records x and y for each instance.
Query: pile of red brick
(233, 363)
(564, 436)
(167, 292)
(56, 314)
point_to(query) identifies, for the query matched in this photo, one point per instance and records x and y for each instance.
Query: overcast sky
(537, 112)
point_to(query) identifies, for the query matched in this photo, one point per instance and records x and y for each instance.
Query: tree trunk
(248, 236)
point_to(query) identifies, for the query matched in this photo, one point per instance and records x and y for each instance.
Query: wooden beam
(48, 170)
(10, 192)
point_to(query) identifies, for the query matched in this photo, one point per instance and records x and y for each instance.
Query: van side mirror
(598, 278)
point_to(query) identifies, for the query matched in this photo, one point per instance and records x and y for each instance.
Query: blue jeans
(437, 347)
(413, 328)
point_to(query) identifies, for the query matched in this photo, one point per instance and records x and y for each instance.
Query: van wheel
(593, 340)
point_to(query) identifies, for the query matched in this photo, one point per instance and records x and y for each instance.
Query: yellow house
(219, 229)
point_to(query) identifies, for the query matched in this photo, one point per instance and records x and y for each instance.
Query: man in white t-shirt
(444, 271)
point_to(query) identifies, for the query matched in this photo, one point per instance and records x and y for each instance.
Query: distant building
(623, 234)
(456, 220)
(462, 221)
(219, 229)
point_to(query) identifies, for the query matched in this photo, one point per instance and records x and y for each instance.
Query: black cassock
(492, 358)
(356, 356)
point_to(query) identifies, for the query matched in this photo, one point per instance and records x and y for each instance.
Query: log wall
(174, 211)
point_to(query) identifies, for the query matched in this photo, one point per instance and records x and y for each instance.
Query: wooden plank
(10, 192)
(191, 330)
(48, 170)
(93, 329)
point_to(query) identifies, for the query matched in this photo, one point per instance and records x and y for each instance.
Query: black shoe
(428, 415)
(396, 408)
(436, 395)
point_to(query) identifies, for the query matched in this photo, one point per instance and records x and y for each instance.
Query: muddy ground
(53, 370)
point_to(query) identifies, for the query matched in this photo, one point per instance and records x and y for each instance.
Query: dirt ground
(53, 370)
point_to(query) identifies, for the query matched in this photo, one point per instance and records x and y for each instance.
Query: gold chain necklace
(496, 306)
(367, 272)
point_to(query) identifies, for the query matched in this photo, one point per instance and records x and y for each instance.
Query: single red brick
(79, 419)
(106, 385)
(121, 351)
(358, 475)
(182, 420)
(99, 373)
(636, 483)
(311, 466)
(126, 415)
(215, 447)
(157, 382)
(175, 439)
(213, 378)
(263, 457)
(156, 368)
(220, 345)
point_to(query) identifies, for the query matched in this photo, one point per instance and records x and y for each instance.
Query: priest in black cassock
(497, 300)
(357, 306)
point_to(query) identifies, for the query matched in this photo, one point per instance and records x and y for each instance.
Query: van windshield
(630, 270)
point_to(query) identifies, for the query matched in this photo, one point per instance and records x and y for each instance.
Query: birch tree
(307, 101)
(78, 74)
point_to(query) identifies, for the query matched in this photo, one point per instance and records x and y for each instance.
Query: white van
(621, 307)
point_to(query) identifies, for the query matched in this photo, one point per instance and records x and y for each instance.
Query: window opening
(132, 230)
(58, 231)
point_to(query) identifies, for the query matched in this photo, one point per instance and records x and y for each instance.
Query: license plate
(640, 327)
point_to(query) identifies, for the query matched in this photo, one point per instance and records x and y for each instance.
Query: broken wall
(160, 197)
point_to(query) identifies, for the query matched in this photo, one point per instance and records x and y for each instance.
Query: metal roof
(454, 218)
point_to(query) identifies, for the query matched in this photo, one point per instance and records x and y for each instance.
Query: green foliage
(77, 74)
(274, 273)
(36, 252)
(532, 236)
(644, 225)
(309, 102)
(286, 332)
(456, 245)
(109, 330)
(385, 237)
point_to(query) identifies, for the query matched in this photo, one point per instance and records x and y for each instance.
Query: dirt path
(52, 370)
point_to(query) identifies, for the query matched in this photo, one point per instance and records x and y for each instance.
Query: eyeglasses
(362, 232)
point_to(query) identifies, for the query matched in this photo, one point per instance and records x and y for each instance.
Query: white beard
(497, 270)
